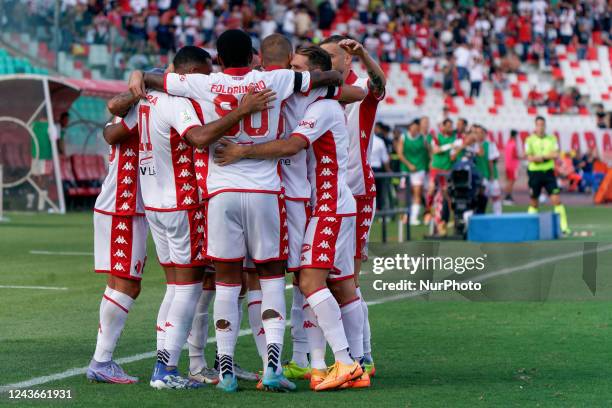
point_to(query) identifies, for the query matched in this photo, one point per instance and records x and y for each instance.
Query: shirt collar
(237, 71)
(351, 78)
(273, 67)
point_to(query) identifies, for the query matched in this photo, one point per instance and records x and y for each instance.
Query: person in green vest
(486, 164)
(414, 158)
(440, 147)
(542, 150)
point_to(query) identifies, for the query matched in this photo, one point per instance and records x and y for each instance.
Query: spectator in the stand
(462, 60)
(534, 97)
(525, 36)
(428, 65)
(586, 167)
(553, 98)
(476, 68)
(512, 163)
(603, 118)
(303, 23)
(461, 128)
(448, 78)
(567, 20)
(424, 128)
(567, 103)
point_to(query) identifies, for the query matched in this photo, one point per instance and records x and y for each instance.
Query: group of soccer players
(241, 176)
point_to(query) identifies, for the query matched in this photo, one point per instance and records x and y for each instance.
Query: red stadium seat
(556, 73)
(418, 101)
(605, 96)
(390, 100)
(532, 110)
(402, 92)
(580, 80)
(592, 54)
(493, 110)
(583, 111)
(574, 64)
(468, 101)
(596, 73)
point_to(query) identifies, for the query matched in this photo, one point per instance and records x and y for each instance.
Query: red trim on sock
(316, 290)
(350, 301)
(228, 284)
(272, 277)
(187, 283)
(115, 303)
(255, 302)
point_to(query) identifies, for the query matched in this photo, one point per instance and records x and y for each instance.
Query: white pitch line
(32, 287)
(137, 357)
(62, 253)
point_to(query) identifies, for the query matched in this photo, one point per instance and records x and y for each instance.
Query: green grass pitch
(437, 353)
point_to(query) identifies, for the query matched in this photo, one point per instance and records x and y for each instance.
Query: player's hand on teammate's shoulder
(136, 84)
(352, 47)
(254, 101)
(227, 152)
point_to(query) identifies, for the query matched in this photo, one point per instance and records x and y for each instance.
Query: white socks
(179, 320)
(199, 332)
(114, 309)
(367, 347)
(225, 315)
(259, 334)
(162, 314)
(273, 302)
(300, 342)
(352, 319)
(496, 206)
(328, 315)
(316, 339)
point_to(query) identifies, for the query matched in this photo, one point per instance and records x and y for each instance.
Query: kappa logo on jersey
(326, 185)
(119, 253)
(128, 166)
(330, 219)
(183, 159)
(327, 231)
(306, 248)
(187, 187)
(129, 153)
(309, 325)
(309, 123)
(323, 258)
(125, 207)
(200, 163)
(200, 229)
(127, 180)
(324, 245)
(127, 194)
(188, 201)
(367, 209)
(181, 146)
(198, 215)
(185, 173)
(363, 134)
(326, 160)
(327, 172)
(324, 208)
(366, 223)
(122, 226)
(286, 236)
(120, 240)
(285, 251)
(326, 196)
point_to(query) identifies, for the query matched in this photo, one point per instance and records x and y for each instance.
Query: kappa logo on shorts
(261, 332)
(324, 245)
(327, 231)
(308, 324)
(306, 248)
(326, 186)
(122, 226)
(323, 258)
(120, 240)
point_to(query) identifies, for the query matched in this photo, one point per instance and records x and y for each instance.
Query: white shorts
(329, 243)
(179, 237)
(298, 213)
(120, 245)
(492, 188)
(417, 178)
(241, 223)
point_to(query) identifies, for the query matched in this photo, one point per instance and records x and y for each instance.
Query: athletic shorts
(539, 180)
(298, 213)
(329, 243)
(434, 173)
(492, 188)
(417, 178)
(512, 173)
(363, 222)
(120, 245)
(179, 237)
(241, 223)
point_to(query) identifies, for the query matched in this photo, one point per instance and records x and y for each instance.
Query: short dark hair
(276, 48)
(540, 118)
(235, 49)
(447, 120)
(464, 120)
(416, 122)
(336, 38)
(190, 55)
(318, 58)
(513, 133)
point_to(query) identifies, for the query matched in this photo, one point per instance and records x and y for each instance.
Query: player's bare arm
(376, 75)
(140, 81)
(251, 102)
(115, 133)
(228, 152)
(351, 94)
(320, 79)
(120, 105)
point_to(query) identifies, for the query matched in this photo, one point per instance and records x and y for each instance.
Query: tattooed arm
(120, 104)
(376, 75)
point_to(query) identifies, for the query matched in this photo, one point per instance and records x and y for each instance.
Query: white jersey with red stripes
(293, 169)
(360, 122)
(324, 128)
(167, 170)
(220, 93)
(120, 193)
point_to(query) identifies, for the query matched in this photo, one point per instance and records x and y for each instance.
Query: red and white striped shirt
(360, 122)
(324, 128)
(120, 193)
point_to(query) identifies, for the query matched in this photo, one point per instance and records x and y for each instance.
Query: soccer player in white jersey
(328, 246)
(277, 53)
(120, 236)
(239, 192)
(169, 130)
(360, 121)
